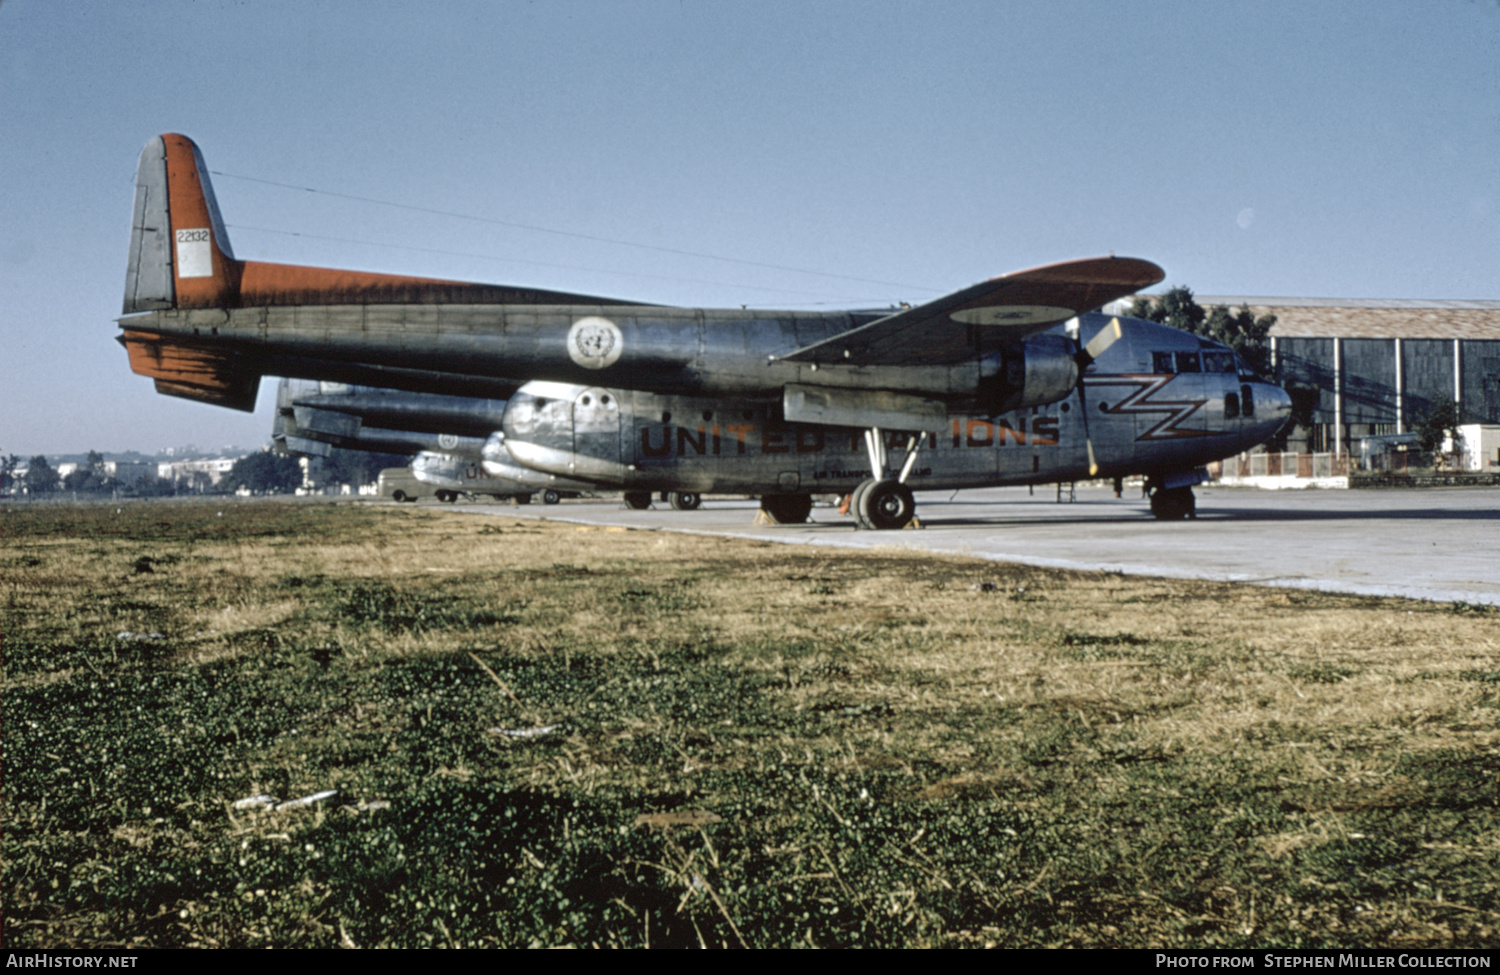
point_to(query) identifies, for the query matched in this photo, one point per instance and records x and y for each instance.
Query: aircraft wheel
(787, 509)
(523, 499)
(686, 500)
(1174, 504)
(550, 496)
(637, 500)
(855, 500)
(887, 505)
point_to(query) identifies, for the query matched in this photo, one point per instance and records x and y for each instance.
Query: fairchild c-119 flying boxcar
(1015, 380)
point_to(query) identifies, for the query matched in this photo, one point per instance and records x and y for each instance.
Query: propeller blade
(1107, 336)
(1098, 345)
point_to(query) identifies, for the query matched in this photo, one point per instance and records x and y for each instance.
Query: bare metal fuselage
(1142, 420)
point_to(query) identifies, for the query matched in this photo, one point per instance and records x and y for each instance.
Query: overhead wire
(532, 263)
(567, 233)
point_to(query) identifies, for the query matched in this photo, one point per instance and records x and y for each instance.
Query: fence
(1307, 467)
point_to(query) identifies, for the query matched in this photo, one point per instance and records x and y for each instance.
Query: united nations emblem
(447, 441)
(595, 342)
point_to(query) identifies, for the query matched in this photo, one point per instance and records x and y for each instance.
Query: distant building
(129, 471)
(124, 471)
(195, 475)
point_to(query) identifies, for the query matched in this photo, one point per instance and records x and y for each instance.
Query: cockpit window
(1218, 362)
(1161, 362)
(1187, 362)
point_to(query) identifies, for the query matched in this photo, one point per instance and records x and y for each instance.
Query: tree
(153, 487)
(82, 480)
(41, 478)
(8, 472)
(356, 467)
(263, 473)
(1440, 424)
(1241, 330)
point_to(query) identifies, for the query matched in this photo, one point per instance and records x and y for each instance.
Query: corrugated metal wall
(1369, 377)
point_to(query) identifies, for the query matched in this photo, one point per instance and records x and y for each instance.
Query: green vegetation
(1438, 425)
(263, 472)
(1241, 330)
(41, 477)
(545, 735)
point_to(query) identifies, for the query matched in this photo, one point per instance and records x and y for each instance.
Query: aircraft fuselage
(1146, 417)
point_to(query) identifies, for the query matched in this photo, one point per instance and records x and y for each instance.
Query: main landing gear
(684, 500)
(885, 503)
(879, 503)
(786, 509)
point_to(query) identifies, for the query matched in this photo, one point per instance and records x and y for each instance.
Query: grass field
(740, 744)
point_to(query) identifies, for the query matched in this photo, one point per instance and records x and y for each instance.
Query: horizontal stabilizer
(209, 375)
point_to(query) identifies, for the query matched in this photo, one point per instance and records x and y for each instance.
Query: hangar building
(1382, 365)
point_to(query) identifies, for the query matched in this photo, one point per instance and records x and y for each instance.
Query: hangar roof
(1371, 318)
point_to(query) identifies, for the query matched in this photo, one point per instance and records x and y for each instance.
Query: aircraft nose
(1277, 403)
(1273, 408)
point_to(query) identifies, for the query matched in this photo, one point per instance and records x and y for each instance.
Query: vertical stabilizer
(148, 275)
(179, 251)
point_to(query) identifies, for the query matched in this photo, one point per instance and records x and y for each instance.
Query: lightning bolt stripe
(1139, 401)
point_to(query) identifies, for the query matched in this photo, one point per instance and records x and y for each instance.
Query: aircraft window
(1188, 362)
(1218, 362)
(1231, 405)
(1161, 362)
(1248, 400)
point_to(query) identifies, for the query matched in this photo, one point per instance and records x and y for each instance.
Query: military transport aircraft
(1014, 380)
(450, 439)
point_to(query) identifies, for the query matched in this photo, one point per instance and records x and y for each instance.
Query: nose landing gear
(1173, 504)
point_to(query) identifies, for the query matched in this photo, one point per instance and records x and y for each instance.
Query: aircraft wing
(950, 330)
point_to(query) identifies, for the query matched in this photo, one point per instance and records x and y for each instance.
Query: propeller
(1102, 340)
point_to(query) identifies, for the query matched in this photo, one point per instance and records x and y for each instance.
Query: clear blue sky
(872, 151)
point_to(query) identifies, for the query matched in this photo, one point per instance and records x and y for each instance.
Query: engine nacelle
(1042, 369)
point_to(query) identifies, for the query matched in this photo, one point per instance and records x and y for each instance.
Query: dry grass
(828, 748)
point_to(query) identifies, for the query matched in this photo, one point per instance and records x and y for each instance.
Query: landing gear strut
(885, 503)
